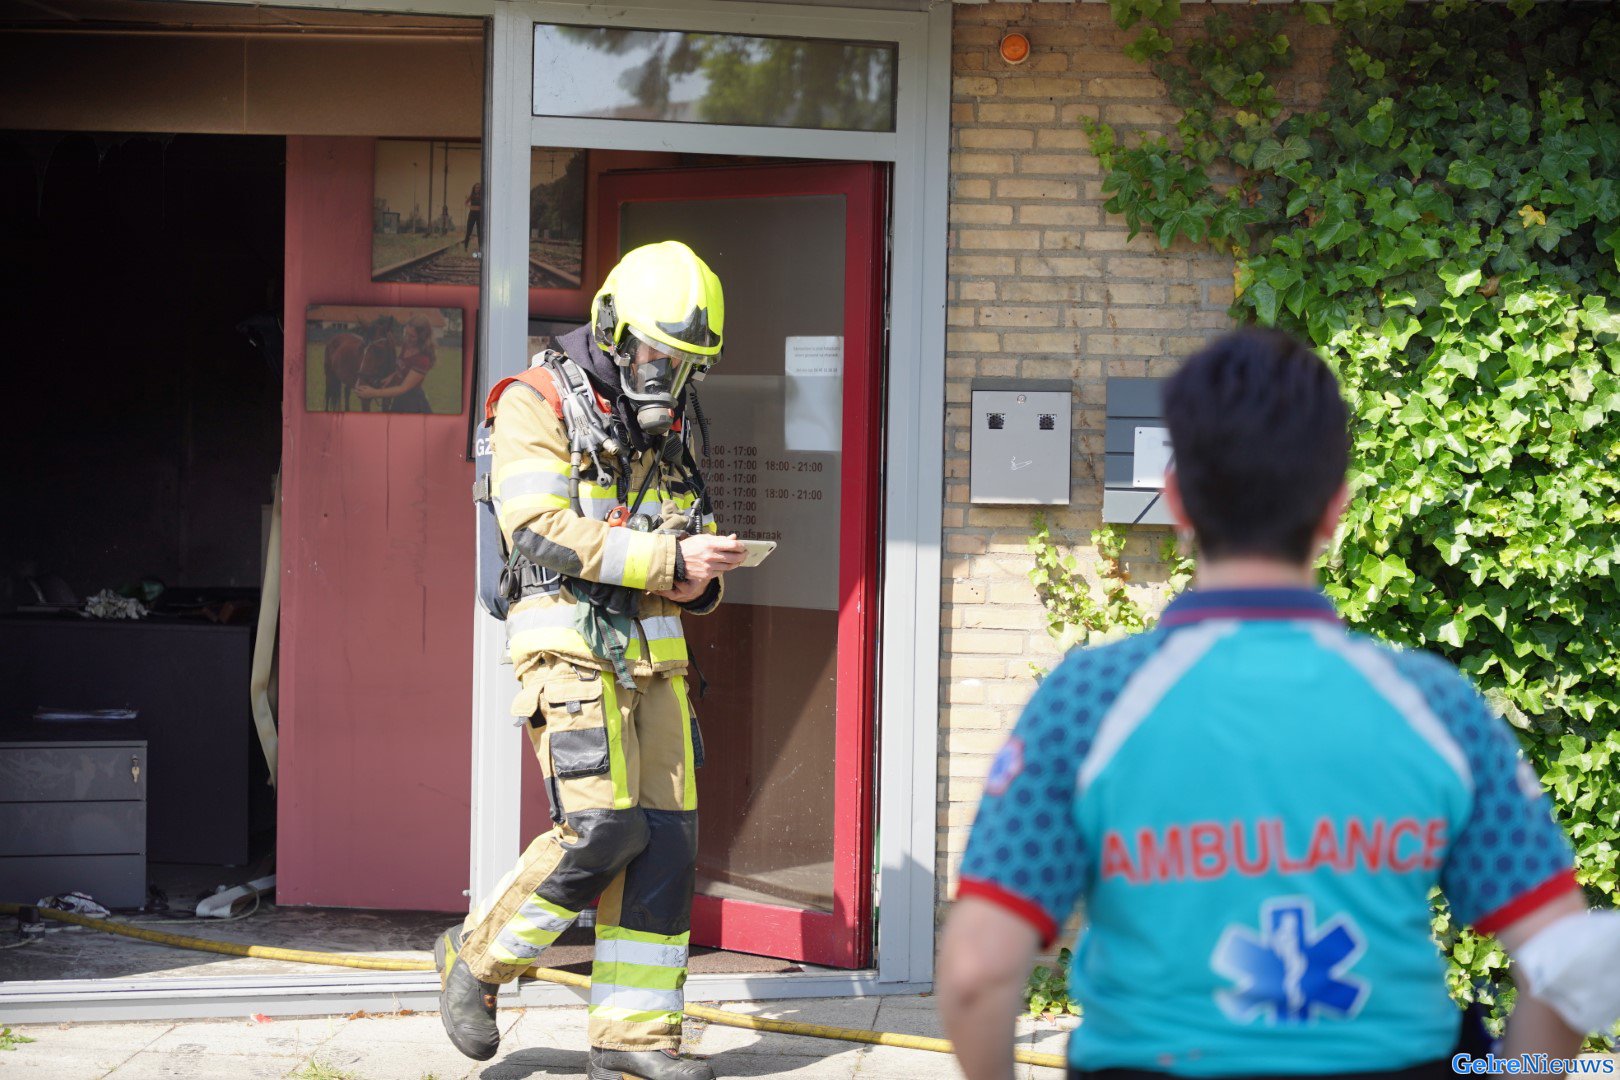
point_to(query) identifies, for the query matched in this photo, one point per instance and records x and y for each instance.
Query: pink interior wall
(377, 585)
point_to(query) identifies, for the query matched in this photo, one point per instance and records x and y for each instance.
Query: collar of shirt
(1198, 605)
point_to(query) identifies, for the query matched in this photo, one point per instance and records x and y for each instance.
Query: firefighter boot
(646, 1065)
(466, 1005)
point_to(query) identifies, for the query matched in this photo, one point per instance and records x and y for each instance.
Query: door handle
(134, 769)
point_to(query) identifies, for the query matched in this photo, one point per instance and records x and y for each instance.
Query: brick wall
(1044, 284)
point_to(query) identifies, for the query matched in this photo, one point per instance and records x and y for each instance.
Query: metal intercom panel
(1020, 451)
(1137, 448)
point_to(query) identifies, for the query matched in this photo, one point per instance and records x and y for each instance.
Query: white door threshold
(209, 997)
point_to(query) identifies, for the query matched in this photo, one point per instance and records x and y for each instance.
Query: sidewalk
(546, 1044)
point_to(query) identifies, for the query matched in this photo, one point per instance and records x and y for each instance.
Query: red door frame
(843, 937)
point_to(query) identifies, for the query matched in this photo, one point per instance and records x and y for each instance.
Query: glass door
(794, 417)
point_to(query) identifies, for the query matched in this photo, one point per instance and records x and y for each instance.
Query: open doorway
(142, 285)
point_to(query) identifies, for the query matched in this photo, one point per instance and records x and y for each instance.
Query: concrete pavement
(544, 1044)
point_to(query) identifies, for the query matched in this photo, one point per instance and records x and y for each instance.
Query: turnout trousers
(619, 768)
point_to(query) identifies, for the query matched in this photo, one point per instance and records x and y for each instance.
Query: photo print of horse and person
(382, 359)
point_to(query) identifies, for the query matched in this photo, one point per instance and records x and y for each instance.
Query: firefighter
(610, 540)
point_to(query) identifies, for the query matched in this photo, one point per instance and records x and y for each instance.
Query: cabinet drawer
(115, 881)
(72, 773)
(73, 828)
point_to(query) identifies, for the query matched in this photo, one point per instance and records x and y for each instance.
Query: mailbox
(1020, 450)
(1136, 445)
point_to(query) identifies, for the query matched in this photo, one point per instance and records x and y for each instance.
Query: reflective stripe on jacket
(530, 486)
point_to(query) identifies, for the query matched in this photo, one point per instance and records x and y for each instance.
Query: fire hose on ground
(563, 978)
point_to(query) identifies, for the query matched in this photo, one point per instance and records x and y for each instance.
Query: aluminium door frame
(913, 482)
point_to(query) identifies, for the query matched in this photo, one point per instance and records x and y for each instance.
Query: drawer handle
(134, 769)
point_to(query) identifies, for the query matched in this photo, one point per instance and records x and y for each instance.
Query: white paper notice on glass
(813, 407)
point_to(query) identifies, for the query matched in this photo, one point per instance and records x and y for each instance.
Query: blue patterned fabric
(1252, 805)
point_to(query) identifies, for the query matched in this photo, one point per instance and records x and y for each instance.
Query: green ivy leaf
(1475, 173)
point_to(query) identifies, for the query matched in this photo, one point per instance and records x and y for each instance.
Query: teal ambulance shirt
(1253, 804)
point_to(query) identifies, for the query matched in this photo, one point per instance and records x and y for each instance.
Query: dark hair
(1261, 440)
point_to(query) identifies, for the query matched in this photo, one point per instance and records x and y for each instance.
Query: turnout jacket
(530, 485)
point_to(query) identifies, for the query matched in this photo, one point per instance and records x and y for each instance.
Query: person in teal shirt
(1251, 802)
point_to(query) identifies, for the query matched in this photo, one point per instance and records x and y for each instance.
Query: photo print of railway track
(427, 219)
(382, 359)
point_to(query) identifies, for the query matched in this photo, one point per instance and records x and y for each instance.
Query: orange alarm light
(1014, 47)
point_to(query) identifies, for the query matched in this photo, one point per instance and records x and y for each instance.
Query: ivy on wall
(1445, 228)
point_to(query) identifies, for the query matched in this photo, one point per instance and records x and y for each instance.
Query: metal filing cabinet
(73, 811)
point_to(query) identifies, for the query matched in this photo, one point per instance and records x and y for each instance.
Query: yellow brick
(1126, 87)
(1011, 592)
(962, 112)
(1160, 116)
(1065, 138)
(1209, 320)
(1185, 294)
(988, 616)
(975, 741)
(965, 592)
(1042, 86)
(1126, 293)
(989, 164)
(973, 86)
(981, 265)
(1022, 112)
(995, 138)
(1151, 318)
(966, 692)
(1088, 317)
(1046, 368)
(1040, 290)
(972, 341)
(965, 544)
(1018, 316)
(1073, 114)
(1055, 341)
(1032, 188)
(998, 239)
(1062, 239)
(1154, 268)
(973, 667)
(997, 366)
(969, 189)
(972, 767)
(980, 214)
(1050, 164)
(974, 35)
(976, 290)
(1068, 266)
(1016, 692)
(1126, 345)
(976, 717)
(984, 641)
(1059, 214)
(1119, 239)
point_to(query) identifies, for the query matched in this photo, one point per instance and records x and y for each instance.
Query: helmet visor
(656, 370)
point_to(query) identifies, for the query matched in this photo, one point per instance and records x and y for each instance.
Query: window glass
(672, 75)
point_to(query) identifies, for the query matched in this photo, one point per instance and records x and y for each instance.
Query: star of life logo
(1291, 971)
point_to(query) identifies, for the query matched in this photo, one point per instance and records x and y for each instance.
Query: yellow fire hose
(378, 963)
